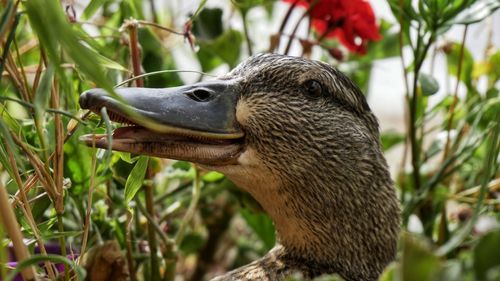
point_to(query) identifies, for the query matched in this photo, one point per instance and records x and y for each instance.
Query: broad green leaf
(125, 156)
(208, 24)
(208, 60)
(418, 263)
(213, 177)
(262, 225)
(191, 243)
(487, 254)
(227, 47)
(390, 273)
(107, 63)
(429, 84)
(391, 138)
(136, 178)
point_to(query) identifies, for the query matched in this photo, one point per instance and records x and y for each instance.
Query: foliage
(169, 217)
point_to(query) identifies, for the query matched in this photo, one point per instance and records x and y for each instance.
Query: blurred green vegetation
(77, 197)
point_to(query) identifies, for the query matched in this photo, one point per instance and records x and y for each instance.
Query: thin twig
(124, 82)
(154, 24)
(294, 31)
(282, 26)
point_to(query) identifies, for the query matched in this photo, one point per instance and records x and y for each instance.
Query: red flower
(352, 22)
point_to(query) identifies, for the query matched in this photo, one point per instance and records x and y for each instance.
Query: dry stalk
(9, 223)
(41, 170)
(33, 178)
(26, 209)
(58, 164)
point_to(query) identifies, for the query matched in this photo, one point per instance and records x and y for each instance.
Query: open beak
(194, 123)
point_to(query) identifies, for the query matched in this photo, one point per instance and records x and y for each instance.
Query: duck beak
(194, 123)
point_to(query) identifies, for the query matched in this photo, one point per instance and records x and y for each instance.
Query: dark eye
(313, 88)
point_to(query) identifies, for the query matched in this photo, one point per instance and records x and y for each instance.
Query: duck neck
(333, 225)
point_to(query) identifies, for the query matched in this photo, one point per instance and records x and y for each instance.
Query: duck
(296, 134)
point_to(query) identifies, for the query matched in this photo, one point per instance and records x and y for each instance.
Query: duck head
(297, 135)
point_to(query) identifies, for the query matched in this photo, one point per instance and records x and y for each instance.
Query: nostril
(200, 95)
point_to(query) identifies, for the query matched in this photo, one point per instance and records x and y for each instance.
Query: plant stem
(294, 31)
(415, 143)
(62, 242)
(407, 95)
(307, 12)
(154, 24)
(130, 259)
(134, 51)
(245, 31)
(26, 209)
(153, 246)
(10, 225)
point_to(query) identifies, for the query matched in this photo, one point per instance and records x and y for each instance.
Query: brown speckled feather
(315, 165)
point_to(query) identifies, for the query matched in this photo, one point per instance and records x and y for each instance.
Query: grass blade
(136, 178)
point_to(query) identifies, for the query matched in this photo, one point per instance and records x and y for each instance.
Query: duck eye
(313, 88)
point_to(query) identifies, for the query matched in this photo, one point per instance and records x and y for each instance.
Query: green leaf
(391, 138)
(43, 91)
(136, 178)
(35, 260)
(59, 33)
(208, 24)
(107, 63)
(429, 85)
(487, 254)
(453, 58)
(5, 15)
(389, 273)
(213, 177)
(191, 243)
(494, 62)
(226, 47)
(418, 263)
(262, 225)
(92, 8)
(477, 12)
